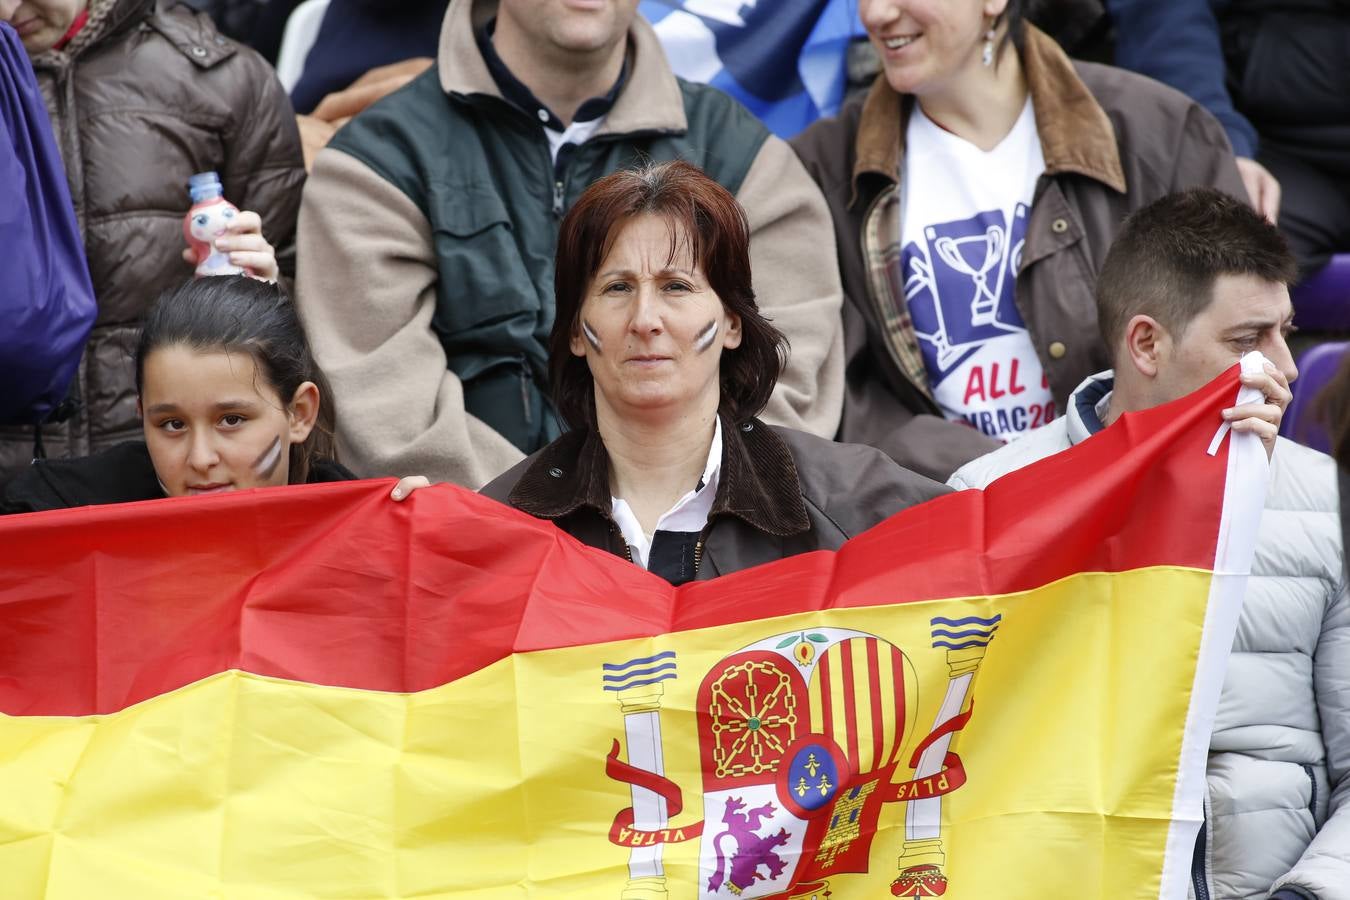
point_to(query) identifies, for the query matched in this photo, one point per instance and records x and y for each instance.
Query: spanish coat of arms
(802, 739)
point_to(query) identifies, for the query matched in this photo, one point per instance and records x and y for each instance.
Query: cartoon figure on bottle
(209, 218)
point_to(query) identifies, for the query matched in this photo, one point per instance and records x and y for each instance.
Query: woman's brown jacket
(780, 492)
(144, 96)
(1113, 141)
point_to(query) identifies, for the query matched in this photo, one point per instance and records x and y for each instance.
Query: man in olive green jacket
(429, 225)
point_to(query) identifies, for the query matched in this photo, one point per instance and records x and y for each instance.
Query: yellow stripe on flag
(817, 704)
(244, 786)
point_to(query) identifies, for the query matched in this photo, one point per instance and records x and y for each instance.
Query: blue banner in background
(783, 59)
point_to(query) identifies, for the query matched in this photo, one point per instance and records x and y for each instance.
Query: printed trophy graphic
(802, 741)
(959, 284)
(988, 251)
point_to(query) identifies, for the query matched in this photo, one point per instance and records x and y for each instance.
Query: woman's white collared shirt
(690, 512)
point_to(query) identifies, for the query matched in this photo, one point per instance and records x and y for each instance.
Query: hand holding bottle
(222, 239)
(245, 247)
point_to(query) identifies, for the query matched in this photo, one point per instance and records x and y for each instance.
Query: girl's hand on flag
(406, 485)
(1262, 419)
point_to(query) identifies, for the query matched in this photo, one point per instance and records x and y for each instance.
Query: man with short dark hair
(429, 227)
(1194, 281)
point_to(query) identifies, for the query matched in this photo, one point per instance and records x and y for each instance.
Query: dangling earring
(988, 56)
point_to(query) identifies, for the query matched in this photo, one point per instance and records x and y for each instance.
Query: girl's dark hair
(239, 314)
(705, 218)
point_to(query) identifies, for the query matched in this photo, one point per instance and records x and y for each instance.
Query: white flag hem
(1244, 497)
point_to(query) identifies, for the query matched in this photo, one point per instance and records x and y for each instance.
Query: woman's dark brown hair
(705, 219)
(239, 314)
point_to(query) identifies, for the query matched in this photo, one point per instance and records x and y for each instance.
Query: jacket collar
(1076, 134)
(758, 482)
(195, 36)
(1081, 417)
(650, 100)
(519, 94)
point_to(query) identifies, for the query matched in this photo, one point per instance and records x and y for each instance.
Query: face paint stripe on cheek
(267, 463)
(591, 337)
(705, 337)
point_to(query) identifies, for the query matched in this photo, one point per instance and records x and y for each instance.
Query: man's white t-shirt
(963, 225)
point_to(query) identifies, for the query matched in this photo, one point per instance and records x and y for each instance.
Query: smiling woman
(230, 398)
(660, 361)
(975, 191)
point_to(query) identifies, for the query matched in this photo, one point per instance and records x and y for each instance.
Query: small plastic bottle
(211, 214)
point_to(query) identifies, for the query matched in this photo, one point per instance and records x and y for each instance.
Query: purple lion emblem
(752, 850)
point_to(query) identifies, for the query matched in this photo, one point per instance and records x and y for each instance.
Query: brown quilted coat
(144, 96)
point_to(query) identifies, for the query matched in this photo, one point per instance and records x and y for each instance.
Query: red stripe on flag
(845, 651)
(334, 584)
(874, 692)
(898, 667)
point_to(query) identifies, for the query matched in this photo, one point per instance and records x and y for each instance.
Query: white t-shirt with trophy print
(963, 224)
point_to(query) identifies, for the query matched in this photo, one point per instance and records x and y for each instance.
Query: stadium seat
(302, 30)
(1322, 303)
(1316, 366)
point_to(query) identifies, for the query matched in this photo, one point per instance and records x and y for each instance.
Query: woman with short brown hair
(660, 361)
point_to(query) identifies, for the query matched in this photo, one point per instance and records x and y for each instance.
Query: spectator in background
(361, 51)
(259, 24)
(356, 36)
(46, 302)
(975, 191)
(429, 225)
(783, 59)
(336, 109)
(142, 97)
(1193, 282)
(1277, 75)
(364, 50)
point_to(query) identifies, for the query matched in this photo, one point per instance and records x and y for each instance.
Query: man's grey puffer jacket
(1278, 806)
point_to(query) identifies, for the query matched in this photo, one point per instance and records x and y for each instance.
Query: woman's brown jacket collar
(758, 483)
(1076, 135)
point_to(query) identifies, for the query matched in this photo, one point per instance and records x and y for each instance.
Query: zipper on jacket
(1198, 862)
(698, 547)
(1312, 784)
(558, 198)
(627, 550)
(525, 380)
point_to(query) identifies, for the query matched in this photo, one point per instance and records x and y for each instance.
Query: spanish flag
(317, 693)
